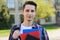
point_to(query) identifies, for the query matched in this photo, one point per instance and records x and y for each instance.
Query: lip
(29, 16)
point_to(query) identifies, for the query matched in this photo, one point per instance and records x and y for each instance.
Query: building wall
(57, 6)
(42, 21)
(52, 21)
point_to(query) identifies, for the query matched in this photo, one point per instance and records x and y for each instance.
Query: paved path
(3, 38)
(53, 35)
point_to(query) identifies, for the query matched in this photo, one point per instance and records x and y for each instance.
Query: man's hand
(16, 34)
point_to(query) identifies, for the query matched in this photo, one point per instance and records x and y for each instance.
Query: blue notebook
(30, 30)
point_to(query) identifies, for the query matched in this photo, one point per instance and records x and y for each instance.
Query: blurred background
(47, 15)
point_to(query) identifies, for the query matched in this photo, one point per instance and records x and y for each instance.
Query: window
(58, 1)
(10, 3)
(20, 4)
(46, 1)
(48, 19)
(58, 14)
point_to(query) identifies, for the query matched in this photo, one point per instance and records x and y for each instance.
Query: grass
(48, 27)
(4, 33)
(51, 27)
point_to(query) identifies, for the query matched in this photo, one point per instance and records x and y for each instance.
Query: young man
(29, 11)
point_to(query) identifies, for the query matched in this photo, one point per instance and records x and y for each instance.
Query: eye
(27, 10)
(32, 10)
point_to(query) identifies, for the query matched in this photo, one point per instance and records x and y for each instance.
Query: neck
(27, 23)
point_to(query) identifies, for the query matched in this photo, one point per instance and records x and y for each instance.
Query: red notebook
(31, 35)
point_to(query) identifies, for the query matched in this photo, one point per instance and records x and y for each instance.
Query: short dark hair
(30, 3)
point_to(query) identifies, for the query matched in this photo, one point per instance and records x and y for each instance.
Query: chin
(29, 19)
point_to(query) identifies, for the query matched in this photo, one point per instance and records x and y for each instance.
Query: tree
(4, 15)
(45, 9)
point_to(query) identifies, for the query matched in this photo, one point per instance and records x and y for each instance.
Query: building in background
(57, 6)
(16, 5)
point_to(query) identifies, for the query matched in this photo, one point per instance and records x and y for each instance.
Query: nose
(30, 12)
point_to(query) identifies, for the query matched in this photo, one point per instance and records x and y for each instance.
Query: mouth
(29, 20)
(30, 17)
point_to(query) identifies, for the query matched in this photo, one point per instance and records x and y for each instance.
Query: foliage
(4, 16)
(44, 9)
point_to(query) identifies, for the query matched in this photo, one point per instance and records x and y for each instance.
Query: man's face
(29, 12)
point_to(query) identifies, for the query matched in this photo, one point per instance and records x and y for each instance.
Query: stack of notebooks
(30, 34)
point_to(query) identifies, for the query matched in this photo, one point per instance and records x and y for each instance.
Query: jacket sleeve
(45, 35)
(12, 31)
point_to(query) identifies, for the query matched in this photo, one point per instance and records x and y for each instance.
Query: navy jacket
(44, 35)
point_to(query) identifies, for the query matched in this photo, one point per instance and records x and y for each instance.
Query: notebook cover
(35, 33)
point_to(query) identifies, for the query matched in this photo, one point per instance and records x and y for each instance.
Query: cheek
(25, 14)
(34, 14)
